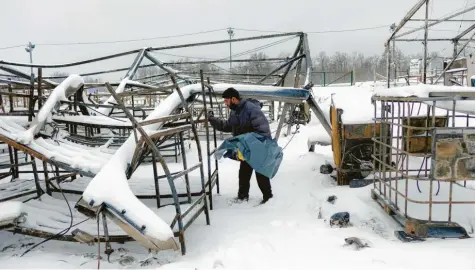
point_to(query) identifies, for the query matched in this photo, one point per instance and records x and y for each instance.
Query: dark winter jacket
(247, 117)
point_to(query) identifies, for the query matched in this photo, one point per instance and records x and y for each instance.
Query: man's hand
(230, 154)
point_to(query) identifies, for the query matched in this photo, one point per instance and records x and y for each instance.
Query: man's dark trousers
(244, 182)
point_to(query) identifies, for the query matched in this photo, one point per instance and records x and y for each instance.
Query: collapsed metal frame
(156, 156)
(301, 53)
(392, 152)
(41, 83)
(409, 17)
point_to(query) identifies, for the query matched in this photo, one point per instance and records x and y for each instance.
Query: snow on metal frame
(113, 172)
(425, 90)
(61, 93)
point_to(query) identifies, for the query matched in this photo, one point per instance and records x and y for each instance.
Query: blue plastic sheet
(264, 155)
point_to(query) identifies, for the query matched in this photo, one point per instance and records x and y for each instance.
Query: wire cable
(61, 233)
(321, 32)
(114, 41)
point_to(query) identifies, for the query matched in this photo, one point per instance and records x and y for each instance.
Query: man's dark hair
(231, 93)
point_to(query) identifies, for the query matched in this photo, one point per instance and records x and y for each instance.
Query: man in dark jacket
(245, 116)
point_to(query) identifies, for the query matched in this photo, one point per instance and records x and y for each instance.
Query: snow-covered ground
(291, 231)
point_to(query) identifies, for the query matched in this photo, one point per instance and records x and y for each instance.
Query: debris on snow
(331, 199)
(356, 242)
(340, 219)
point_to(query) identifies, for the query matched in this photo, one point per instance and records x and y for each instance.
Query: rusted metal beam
(40, 94)
(72, 63)
(437, 22)
(425, 43)
(170, 131)
(290, 62)
(68, 238)
(452, 60)
(286, 71)
(153, 49)
(462, 34)
(276, 59)
(12, 94)
(406, 18)
(430, 39)
(148, 91)
(165, 118)
(226, 41)
(135, 65)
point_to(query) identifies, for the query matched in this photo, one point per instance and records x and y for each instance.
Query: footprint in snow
(218, 264)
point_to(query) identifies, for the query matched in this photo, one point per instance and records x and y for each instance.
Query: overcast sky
(62, 21)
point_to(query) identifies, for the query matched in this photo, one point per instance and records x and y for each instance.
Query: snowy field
(291, 231)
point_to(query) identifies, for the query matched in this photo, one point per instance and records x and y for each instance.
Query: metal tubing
(156, 180)
(462, 34)
(132, 71)
(407, 17)
(407, 159)
(39, 191)
(433, 124)
(281, 120)
(215, 144)
(290, 62)
(437, 22)
(47, 180)
(161, 65)
(40, 94)
(425, 42)
(452, 60)
(288, 67)
(226, 41)
(184, 161)
(156, 151)
(388, 64)
(207, 136)
(429, 39)
(197, 141)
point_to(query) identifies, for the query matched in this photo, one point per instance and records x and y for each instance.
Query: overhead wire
(187, 34)
(115, 41)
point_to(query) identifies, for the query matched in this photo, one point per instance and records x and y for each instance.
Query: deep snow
(291, 231)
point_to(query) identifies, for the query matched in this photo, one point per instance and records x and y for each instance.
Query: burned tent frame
(148, 145)
(396, 36)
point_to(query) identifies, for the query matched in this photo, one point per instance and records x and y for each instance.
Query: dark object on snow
(332, 199)
(357, 183)
(405, 237)
(340, 219)
(83, 237)
(326, 169)
(357, 242)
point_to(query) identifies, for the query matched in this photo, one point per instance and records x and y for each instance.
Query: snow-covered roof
(425, 91)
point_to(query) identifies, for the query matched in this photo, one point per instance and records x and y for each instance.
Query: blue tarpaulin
(264, 155)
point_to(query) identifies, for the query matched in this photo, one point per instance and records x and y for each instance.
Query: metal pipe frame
(462, 34)
(158, 157)
(452, 60)
(382, 149)
(431, 39)
(46, 82)
(437, 22)
(408, 17)
(148, 49)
